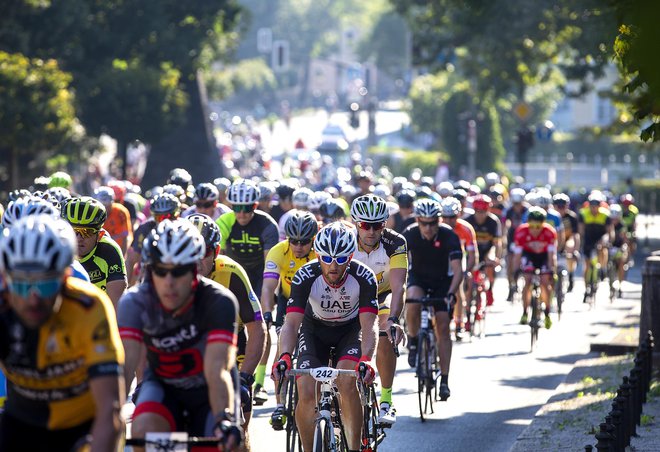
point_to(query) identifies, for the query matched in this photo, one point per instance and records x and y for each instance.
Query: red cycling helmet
(627, 200)
(481, 202)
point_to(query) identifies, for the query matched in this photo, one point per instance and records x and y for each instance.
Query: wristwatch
(393, 319)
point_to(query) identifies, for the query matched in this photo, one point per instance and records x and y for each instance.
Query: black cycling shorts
(532, 261)
(435, 289)
(316, 340)
(186, 410)
(17, 435)
(281, 310)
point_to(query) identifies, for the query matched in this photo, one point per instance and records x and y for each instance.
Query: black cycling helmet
(301, 225)
(285, 190)
(180, 177)
(561, 199)
(208, 228)
(331, 210)
(406, 198)
(536, 214)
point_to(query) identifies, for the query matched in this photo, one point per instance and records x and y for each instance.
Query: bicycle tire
(369, 438)
(431, 366)
(559, 291)
(534, 323)
(611, 277)
(293, 443)
(420, 373)
(341, 442)
(322, 432)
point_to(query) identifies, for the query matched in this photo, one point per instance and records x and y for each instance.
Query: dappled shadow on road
(537, 381)
(566, 359)
(496, 356)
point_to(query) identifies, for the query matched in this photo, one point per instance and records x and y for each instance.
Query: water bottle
(425, 319)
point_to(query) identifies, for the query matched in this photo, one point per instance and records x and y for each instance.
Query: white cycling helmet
(616, 211)
(370, 209)
(206, 191)
(426, 208)
(24, 207)
(177, 242)
(243, 192)
(450, 207)
(38, 243)
(105, 195)
(317, 200)
(445, 189)
(517, 195)
(382, 191)
(492, 178)
(302, 197)
(336, 240)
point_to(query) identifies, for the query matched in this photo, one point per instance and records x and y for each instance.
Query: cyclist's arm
(256, 343)
(397, 285)
(457, 269)
(132, 258)
(219, 357)
(578, 243)
(497, 243)
(268, 293)
(369, 327)
(132, 352)
(471, 258)
(115, 290)
(289, 333)
(108, 394)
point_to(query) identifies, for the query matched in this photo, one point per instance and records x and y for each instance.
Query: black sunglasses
(300, 242)
(204, 204)
(246, 208)
(176, 272)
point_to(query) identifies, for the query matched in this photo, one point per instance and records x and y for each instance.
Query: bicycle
(536, 304)
(329, 433)
(616, 255)
(591, 282)
(173, 442)
(476, 305)
(427, 369)
(284, 416)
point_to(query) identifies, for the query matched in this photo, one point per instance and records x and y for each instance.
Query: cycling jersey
(176, 343)
(119, 225)
(570, 222)
(466, 234)
(552, 218)
(619, 234)
(515, 219)
(220, 209)
(391, 253)
(430, 258)
(486, 233)
(629, 216)
(246, 244)
(231, 275)
(545, 242)
(595, 226)
(400, 223)
(105, 263)
(282, 264)
(141, 233)
(333, 305)
(48, 369)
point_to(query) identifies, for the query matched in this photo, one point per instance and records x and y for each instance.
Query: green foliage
(402, 161)
(37, 106)
(386, 44)
(634, 49)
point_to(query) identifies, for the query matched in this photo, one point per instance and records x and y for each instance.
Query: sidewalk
(571, 417)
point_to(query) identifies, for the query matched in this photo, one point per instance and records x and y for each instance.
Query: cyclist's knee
(150, 422)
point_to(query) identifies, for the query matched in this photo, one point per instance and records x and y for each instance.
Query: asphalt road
(497, 385)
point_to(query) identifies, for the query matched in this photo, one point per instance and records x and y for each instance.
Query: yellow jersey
(232, 275)
(48, 369)
(282, 264)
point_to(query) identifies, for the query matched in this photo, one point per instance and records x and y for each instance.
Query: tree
(635, 47)
(37, 109)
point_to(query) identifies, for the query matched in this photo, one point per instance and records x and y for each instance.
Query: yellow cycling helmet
(85, 212)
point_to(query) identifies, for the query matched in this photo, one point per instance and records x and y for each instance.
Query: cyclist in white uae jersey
(334, 305)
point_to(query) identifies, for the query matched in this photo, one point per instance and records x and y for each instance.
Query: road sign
(523, 111)
(280, 56)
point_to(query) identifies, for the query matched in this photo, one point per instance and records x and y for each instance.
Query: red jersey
(545, 242)
(466, 234)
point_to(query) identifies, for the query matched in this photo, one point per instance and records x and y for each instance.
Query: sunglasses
(86, 232)
(449, 217)
(341, 260)
(44, 288)
(204, 204)
(535, 225)
(300, 242)
(365, 226)
(162, 217)
(176, 272)
(245, 208)
(427, 223)
(480, 211)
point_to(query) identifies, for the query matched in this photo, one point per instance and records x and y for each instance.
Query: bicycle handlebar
(395, 347)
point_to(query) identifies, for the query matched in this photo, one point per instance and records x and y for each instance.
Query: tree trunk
(13, 170)
(191, 146)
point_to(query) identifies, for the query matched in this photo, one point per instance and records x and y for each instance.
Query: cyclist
(405, 216)
(222, 184)
(629, 216)
(266, 192)
(59, 346)
(118, 223)
(450, 209)
(182, 178)
(334, 305)
(385, 253)
(570, 221)
(535, 248)
(163, 207)
(435, 269)
(251, 328)
(618, 253)
(60, 179)
(331, 210)
(99, 254)
(247, 236)
(284, 192)
(206, 202)
(301, 199)
(187, 324)
(488, 229)
(595, 229)
(543, 199)
(282, 263)
(513, 219)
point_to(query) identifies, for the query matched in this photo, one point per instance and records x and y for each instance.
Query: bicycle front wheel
(534, 323)
(293, 443)
(323, 432)
(422, 373)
